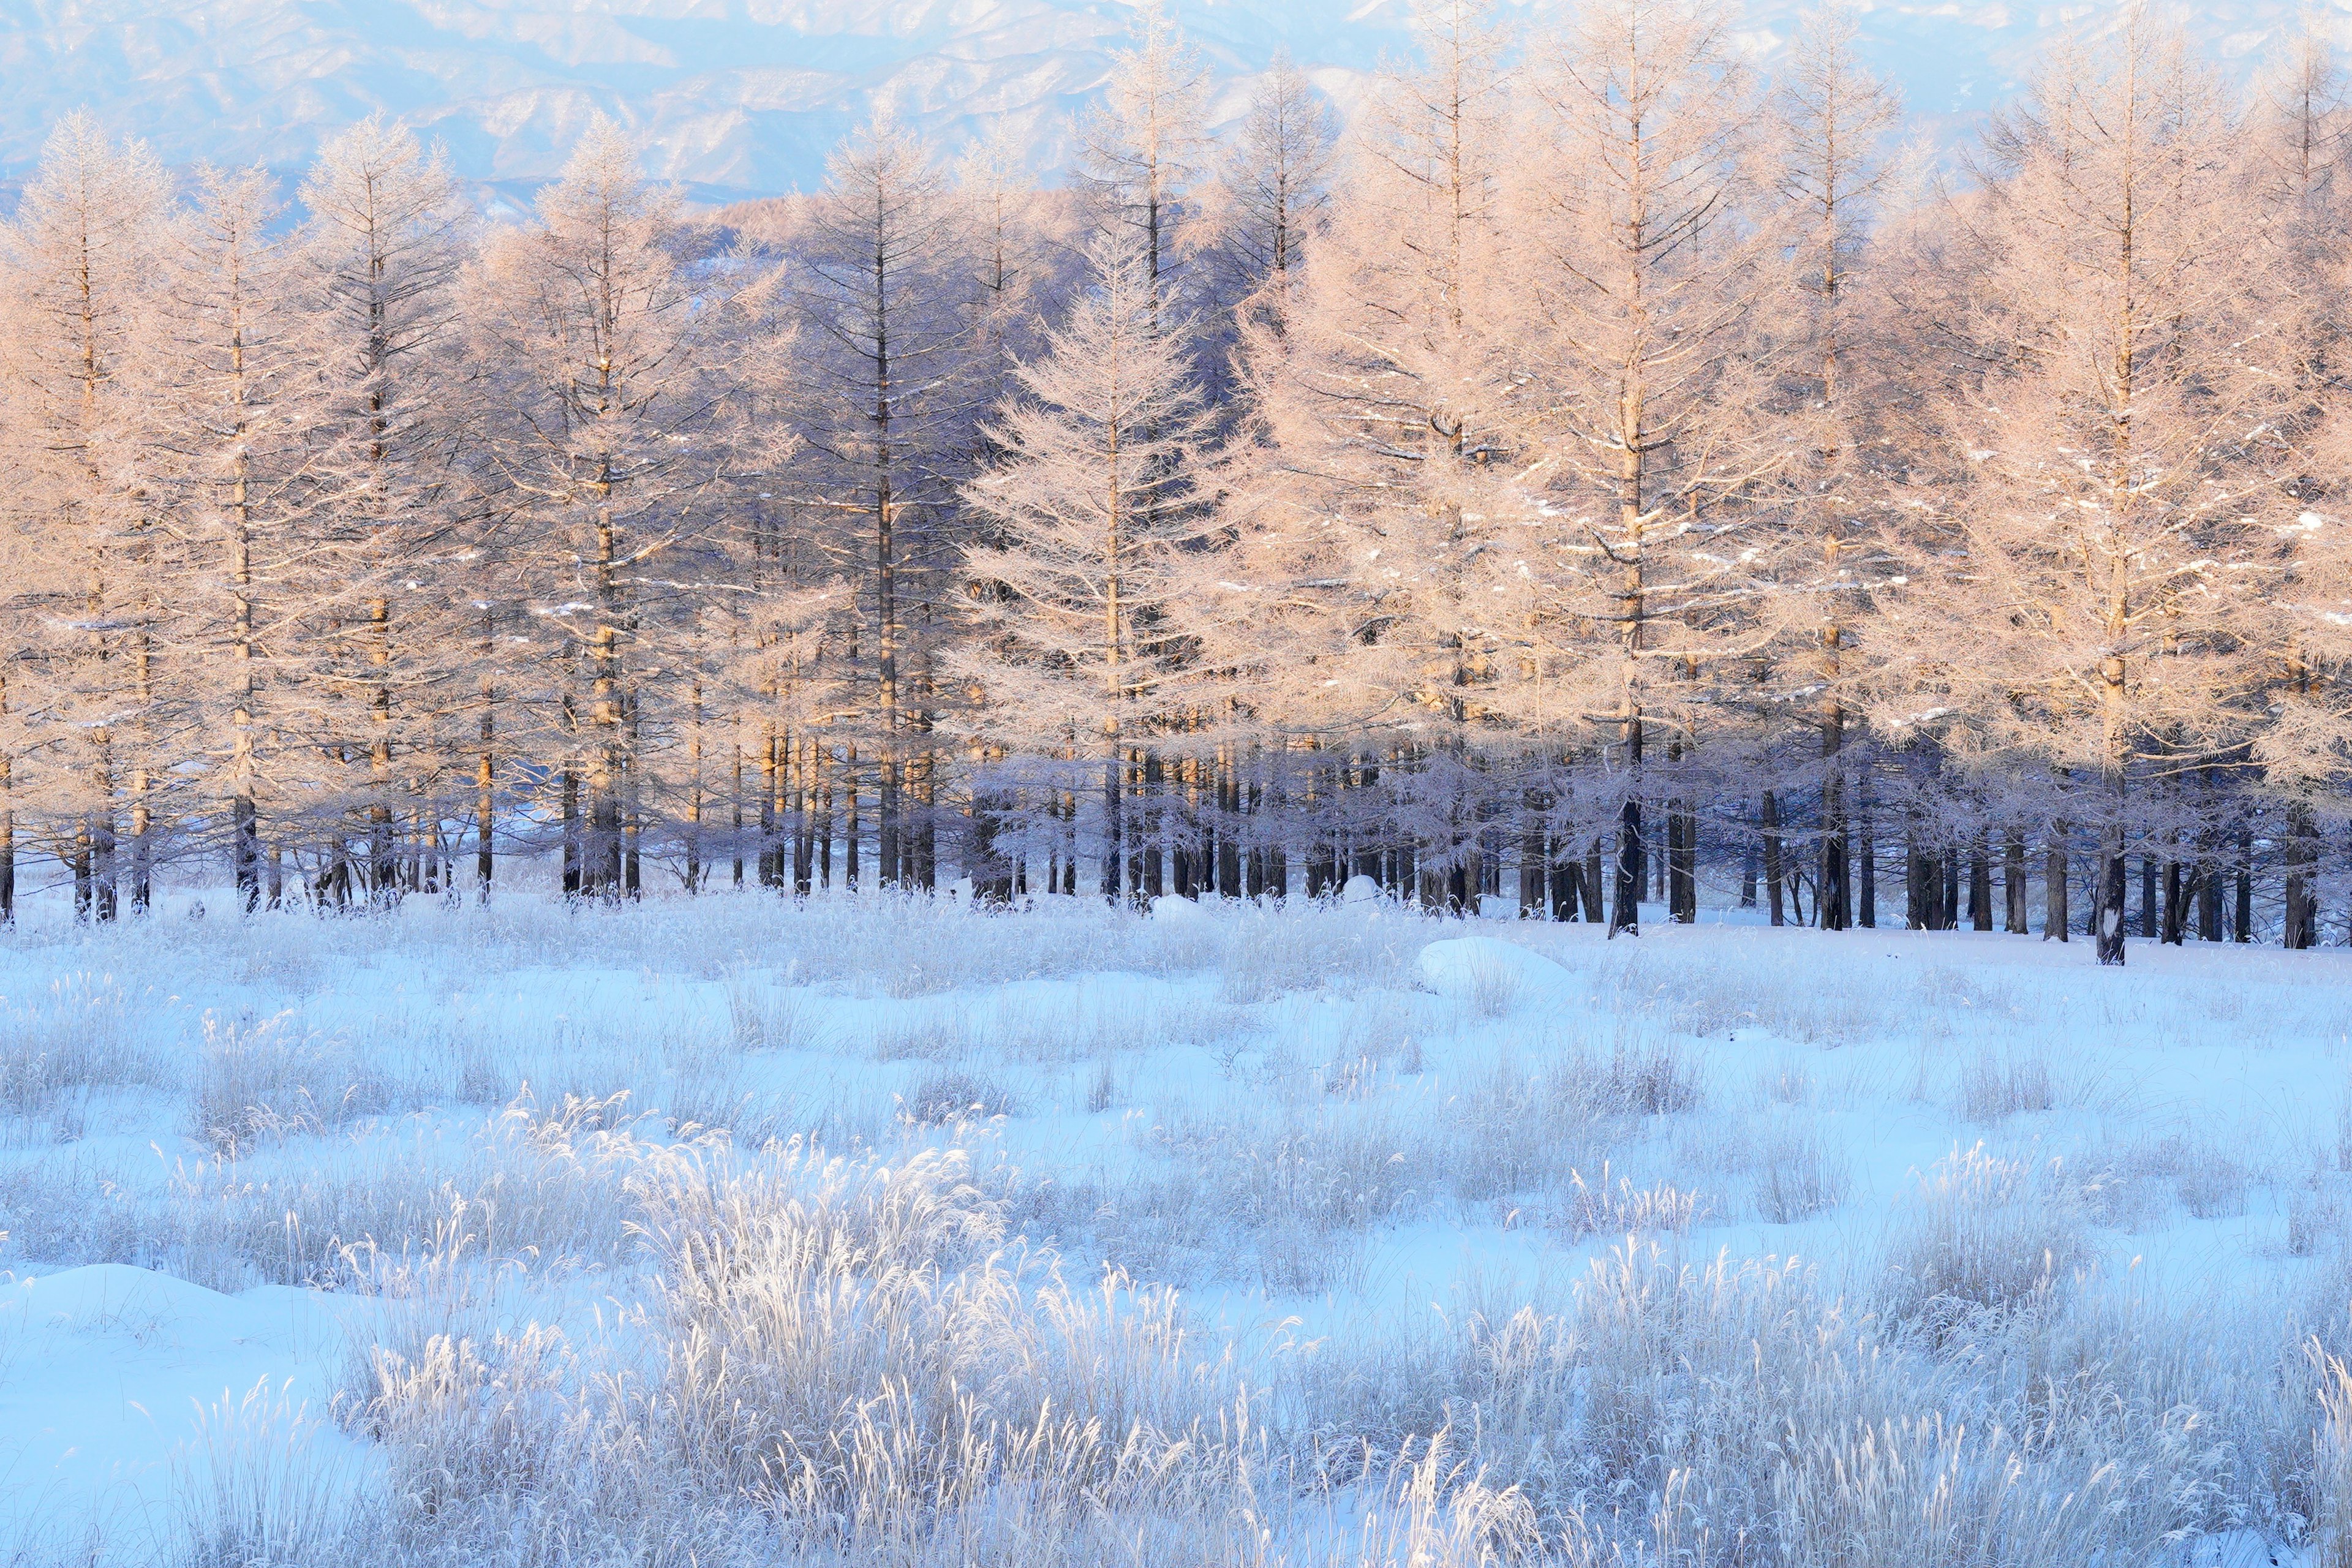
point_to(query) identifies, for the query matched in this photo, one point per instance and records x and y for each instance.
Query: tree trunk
(2013, 882)
(1867, 893)
(1682, 867)
(2242, 925)
(1980, 885)
(2302, 930)
(1771, 822)
(2178, 889)
(2108, 907)
(1535, 864)
(573, 857)
(2209, 896)
(2054, 886)
(1626, 914)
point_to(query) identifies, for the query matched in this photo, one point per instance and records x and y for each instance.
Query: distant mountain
(739, 98)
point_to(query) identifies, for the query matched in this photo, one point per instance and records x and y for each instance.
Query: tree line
(1599, 465)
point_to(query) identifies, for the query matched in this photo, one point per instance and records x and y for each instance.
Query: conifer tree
(1094, 498)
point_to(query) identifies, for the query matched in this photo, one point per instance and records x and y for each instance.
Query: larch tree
(1143, 145)
(886, 297)
(1275, 180)
(2099, 559)
(612, 437)
(1645, 255)
(1831, 117)
(1380, 401)
(232, 436)
(82, 256)
(381, 250)
(1093, 498)
(2295, 144)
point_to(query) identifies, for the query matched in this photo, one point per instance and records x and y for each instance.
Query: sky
(742, 98)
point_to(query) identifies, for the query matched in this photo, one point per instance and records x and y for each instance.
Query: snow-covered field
(878, 1230)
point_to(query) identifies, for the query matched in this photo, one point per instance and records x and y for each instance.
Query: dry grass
(1996, 1087)
(251, 1492)
(263, 1081)
(906, 1350)
(1982, 1236)
(2331, 1463)
(54, 1052)
(1799, 1175)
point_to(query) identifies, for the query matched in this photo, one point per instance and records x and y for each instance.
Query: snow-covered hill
(742, 97)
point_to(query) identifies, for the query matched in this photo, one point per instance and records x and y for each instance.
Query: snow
(739, 98)
(1463, 966)
(1106, 1055)
(109, 1374)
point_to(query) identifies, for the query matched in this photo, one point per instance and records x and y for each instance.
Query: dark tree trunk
(1567, 873)
(2242, 926)
(1626, 915)
(1980, 885)
(2013, 882)
(1682, 867)
(2302, 930)
(2178, 888)
(1834, 906)
(2054, 914)
(2108, 908)
(1867, 893)
(1535, 865)
(1770, 820)
(570, 788)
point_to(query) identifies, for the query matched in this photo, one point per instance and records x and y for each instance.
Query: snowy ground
(881, 1230)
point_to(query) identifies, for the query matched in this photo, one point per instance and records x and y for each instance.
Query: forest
(1597, 468)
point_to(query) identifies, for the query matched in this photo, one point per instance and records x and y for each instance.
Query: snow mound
(1360, 890)
(1172, 909)
(1481, 967)
(109, 1376)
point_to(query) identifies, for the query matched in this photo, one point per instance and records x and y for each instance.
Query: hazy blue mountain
(743, 97)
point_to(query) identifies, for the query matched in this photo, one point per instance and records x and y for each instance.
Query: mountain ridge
(742, 98)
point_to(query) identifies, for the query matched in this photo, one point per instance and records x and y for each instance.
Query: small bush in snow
(74, 1040)
(1799, 1175)
(1494, 988)
(952, 1096)
(1995, 1087)
(1980, 1236)
(1599, 1205)
(263, 1081)
(771, 1019)
(1642, 1078)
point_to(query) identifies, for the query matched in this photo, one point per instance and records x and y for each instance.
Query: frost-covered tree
(381, 252)
(614, 400)
(1832, 118)
(232, 433)
(1275, 180)
(83, 255)
(1641, 262)
(887, 300)
(1094, 498)
(1380, 402)
(2094, 546)
(1144, 143)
